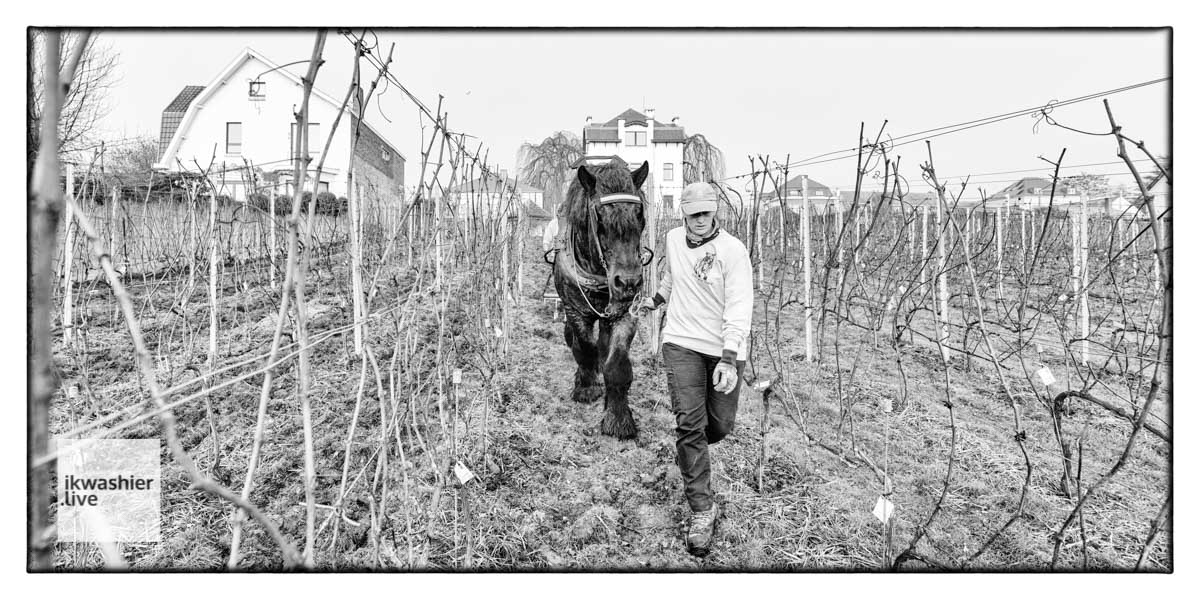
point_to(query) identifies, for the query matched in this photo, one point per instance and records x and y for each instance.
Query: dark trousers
(703, 416)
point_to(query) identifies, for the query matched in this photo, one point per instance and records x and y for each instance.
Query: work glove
(648, 304)
(725, 378)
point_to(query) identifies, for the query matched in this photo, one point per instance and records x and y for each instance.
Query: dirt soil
(551, 493)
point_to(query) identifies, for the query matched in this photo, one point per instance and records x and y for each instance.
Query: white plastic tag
(499, 332)
(1046, 376)
(463, 473)
(883, 509)
(456, 376)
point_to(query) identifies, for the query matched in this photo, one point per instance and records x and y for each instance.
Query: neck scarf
(696, 242)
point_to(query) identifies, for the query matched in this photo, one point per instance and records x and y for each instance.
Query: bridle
(599, 283)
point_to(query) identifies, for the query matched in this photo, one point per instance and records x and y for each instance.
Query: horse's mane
(611, 178)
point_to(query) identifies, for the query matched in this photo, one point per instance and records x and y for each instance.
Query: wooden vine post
(1000, 220)
(651, 285)
(1079, 274)
(271, 225)
(943, 292)
(356, 261)
(212, 280)
(68, 318)
(924, 241)
(806, 233)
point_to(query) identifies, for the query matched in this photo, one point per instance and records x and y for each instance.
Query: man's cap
(698, 197)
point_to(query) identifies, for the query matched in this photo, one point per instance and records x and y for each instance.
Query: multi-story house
(638, 138)
(240, 128)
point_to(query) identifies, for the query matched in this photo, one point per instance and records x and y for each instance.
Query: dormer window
(635, 138)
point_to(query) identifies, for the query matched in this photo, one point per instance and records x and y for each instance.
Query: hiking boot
(701, 528)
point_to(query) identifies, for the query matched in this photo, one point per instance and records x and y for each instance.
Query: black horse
(597, 275)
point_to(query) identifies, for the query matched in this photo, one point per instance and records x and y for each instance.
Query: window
(668, 172)
(635, 138)
(669, 202)
(315, 143)
(322, 187)
(386, 155)
(233, 138)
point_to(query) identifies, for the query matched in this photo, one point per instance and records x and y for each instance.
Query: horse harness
(584, 280)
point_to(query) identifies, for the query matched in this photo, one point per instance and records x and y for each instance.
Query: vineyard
(384, 386)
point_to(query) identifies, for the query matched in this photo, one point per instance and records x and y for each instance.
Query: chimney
(650, 114)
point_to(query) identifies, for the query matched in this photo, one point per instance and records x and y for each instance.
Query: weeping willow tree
(702, 161)
(547, 165)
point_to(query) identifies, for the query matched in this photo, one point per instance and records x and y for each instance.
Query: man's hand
(645, 306)
(725, 378)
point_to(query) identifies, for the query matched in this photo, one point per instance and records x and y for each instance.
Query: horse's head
(608, 198)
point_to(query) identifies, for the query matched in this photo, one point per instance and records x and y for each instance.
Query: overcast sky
(798, 92)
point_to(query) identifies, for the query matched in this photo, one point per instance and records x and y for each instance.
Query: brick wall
(384, 177)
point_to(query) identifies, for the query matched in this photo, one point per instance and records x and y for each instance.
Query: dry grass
(553, 494)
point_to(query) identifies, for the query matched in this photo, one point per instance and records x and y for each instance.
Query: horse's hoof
(587, 395)
(621, 427)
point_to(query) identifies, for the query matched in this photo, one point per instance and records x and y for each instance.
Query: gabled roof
(173, 114)
(609, 132)
(205, 92)
(672, 133)
(536, 212)
(184, 98)
(662, 134)
(1028, 186)
(492, 184)
(795, 185)
(628, 116)
(602, 134)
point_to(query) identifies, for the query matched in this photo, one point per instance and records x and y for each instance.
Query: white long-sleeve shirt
(710, 294)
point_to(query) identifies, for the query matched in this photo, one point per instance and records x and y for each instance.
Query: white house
(241, 128)
(488, 197)
(1030, 193)
(637, 138)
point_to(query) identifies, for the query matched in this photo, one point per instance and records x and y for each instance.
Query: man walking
(709, 289)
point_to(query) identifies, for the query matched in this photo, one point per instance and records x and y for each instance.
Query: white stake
(943, 291)
(356, 263)
(806, 232)
(271, 226)
(68, 259)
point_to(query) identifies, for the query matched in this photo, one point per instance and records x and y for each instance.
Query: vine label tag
(1046, 376)
(463, 473)
(883, 509)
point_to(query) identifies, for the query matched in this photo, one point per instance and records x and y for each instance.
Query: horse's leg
(618, 375)
(578, 333)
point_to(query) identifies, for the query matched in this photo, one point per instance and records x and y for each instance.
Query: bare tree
(1092, 185)
(547, 164)
(130, 162)
(702, 161)
(85, 102)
